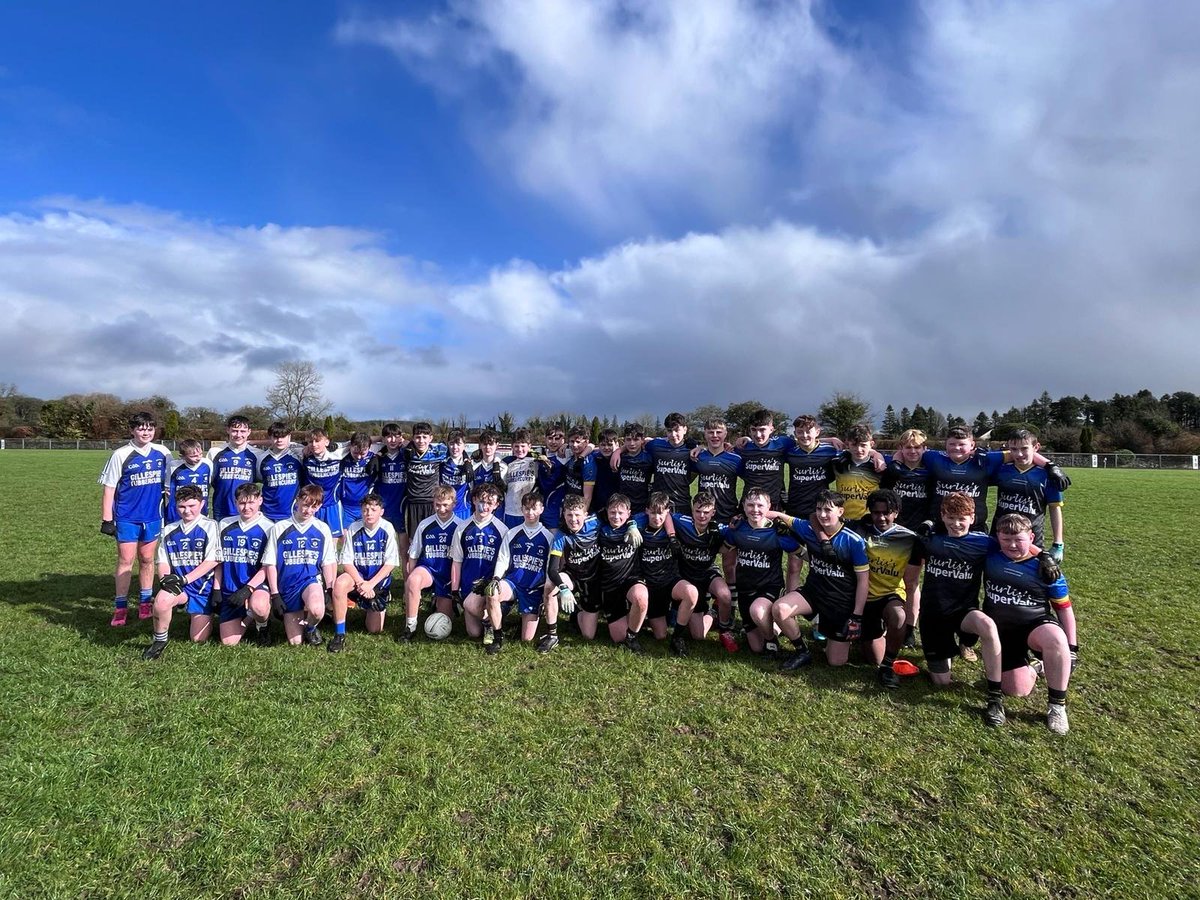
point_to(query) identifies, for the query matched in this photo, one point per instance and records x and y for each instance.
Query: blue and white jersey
(241, 550)
(484, 472)
(279, 473)
(1014, 594)
(971, 476)
(298, 551)
(179, 474)
(231, 469)
(370, 549)
(523, 556)
(1027, 492)
(808, 475)
(718, 474)
(138, 475)
(475, 548)
(458, 474)
(430, 545)
(521, 479)
(324, 470)
(392, 484)
(184, 547)
(357, 480)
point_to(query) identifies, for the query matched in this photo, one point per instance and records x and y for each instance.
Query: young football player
(520, 574)
(570, 572)
(279, 472)
(1022, 487)
(579, 472)
(621, 591)
(671, 456)
(551, 476)
(193, 468)
(488, 467)
(909, 478)
(235, 463)
(429, 563)
(241, 584)
(392, 483)
(423, 459)
(322, 467)
(187, 555)
(300, 560)
(633, 466)
(700, 539)
(660, 569)
(854, 472)
(473, 555)
(131, 511)
(894, 554)
(763, 453)
(458, 473)
(607, 481)
(835, 588)
(717, 471)
(1032, 611)
(760, 548)
(950, 619)
(359, 472)
(521, 477)
(808, 459)
(369, 554)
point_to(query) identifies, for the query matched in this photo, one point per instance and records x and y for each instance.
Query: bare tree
(296, 396)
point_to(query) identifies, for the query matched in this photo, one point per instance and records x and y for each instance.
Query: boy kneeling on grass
(187, 556)
(370, 552)
(299, 560)
(1027, 598)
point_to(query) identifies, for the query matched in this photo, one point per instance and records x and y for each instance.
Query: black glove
(457, 600)
(240, 596)
(845, 459)
(109, 527)
(781, 527)
(277, 606)
(329, 598)
(1057, 477)
(172, 584)
(853, 629)
(925, 529)
(476, 455)
(827, 551)
(213, 605)
(1048, 569)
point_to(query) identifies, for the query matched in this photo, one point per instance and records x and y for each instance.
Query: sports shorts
(942, 634)
(873, 626)
(1014, 642)
(141, 532)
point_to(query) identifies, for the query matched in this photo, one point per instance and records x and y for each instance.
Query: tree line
(1138, 423)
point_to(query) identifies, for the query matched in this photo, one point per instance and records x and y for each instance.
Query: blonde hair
(914, 437)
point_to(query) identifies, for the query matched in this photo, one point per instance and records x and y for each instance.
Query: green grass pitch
(434, 770)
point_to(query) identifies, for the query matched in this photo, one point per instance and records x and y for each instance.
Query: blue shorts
(529, 603)
(293, 599)
(331, 515)
(141, 532)
(199, 599)
(513, 521)
(351, 514)
(397, 521)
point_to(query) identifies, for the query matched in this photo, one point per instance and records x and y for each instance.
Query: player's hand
(172, 584)
(491, 588)
(277, 608)
(924, 530)
(1048, 569)
(1074, 648)
(827, 551)
(633, 535)
(852, 630)
(1056, 550)
(241, 596)
(981, 455)
(457, 599)
(781, 527)
(213, 606)
(476, 455)
(328, 598)
(497, 472)
(845, 459)
(1057, 477)
(108, 527)
(694, 453)
(366, 591)
(566, 600)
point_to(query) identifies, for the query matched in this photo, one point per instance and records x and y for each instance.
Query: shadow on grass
(79, 602)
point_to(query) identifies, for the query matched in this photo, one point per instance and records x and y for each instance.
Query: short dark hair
(884, 495)
(761, 417)
(138, 419)
(237, 420)
(279, 429)
(189, 492)
(674, 420)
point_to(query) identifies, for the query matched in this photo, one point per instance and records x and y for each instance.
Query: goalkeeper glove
(277, 608)
(172, 584)
(853, 628)
(633, 535)
(1056, 550)
(1057, 477)
(109, 527)
(1048, 569)
(240, 596)
(566, 600)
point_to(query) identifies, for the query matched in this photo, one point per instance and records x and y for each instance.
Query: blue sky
(604, 207)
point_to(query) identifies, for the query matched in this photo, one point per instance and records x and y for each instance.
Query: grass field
(394, 771)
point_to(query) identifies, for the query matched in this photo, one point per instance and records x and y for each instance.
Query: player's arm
(272, 576)
(455, 575)
(614, 459)
(863, 578)
(108, 497)
(384, 571)
(200, 571)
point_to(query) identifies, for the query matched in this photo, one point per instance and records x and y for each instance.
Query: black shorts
(584, 595)
(660, 601)
(746, 600)
(872, 624)
(1014, 643)
(834, 615)
(702, 585)
(415, 514)
(614, 602)
(942, 634)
